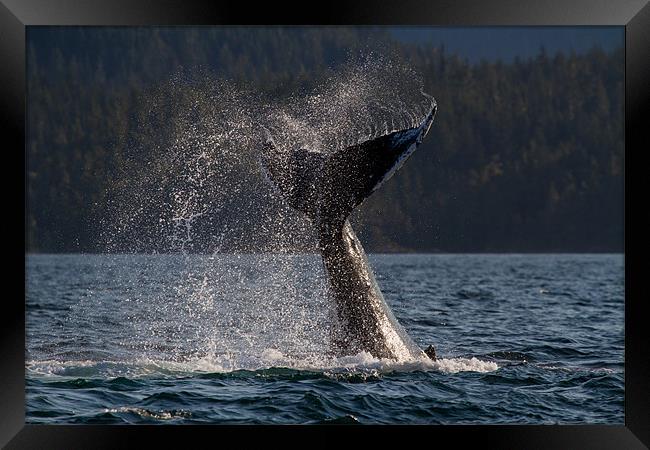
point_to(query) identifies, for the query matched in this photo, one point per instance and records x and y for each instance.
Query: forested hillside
(525, 156)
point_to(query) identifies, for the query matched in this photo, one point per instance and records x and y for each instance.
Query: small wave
(146, 413)
(597, 370)
(555, 351)
(347, 419)
(510, 356)
(466, 294)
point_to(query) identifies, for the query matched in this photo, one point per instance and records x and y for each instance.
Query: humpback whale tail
(327, 186)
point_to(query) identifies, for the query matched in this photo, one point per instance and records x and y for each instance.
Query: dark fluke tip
(430, 351)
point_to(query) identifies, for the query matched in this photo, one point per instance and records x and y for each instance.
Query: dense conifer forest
(526, 156)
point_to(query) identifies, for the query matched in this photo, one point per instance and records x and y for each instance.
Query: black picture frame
(634, 15)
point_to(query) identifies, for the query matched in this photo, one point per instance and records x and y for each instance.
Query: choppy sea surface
(176, 339)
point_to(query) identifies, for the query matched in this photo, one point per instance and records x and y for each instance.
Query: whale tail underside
(329, 186)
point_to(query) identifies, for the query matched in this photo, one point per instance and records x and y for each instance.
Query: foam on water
(362, 363)
(454, 365)
(147, 413)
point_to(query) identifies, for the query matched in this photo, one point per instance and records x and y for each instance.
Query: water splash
(190, 182)
(369, 97)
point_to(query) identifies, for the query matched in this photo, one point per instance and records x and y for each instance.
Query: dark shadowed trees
(524, 156)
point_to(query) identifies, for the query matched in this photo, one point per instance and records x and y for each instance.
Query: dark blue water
(243, 339)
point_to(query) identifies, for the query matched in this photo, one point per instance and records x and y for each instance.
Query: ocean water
(229, 339)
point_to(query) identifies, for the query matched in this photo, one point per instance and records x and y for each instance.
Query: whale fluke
(327, 186)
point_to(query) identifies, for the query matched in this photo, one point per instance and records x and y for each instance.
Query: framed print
(411, 216)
